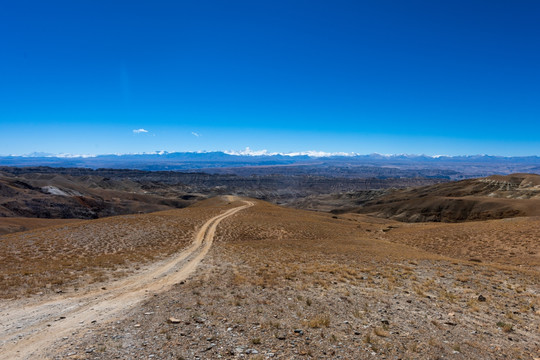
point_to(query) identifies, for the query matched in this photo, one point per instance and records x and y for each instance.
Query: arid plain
(234, 277)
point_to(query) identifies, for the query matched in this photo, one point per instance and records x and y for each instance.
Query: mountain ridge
(466, 165)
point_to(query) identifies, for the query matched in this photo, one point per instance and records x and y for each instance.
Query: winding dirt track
(26, 330)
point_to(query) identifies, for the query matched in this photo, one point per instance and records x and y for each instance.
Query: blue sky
(433, 77)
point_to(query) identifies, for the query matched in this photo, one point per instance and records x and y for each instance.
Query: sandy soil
(29, 328)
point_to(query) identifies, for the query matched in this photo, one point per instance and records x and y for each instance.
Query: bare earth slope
(57, 196)
(494, 197)
(284, 283)
(28, 328)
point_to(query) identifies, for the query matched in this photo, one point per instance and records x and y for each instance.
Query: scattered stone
(137, 325)
(281, 336)
(209, 347)
(481, 298)
(174, 320)
(299, 331)
(251, 351)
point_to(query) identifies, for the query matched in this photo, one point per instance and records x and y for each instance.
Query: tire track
(27, 330)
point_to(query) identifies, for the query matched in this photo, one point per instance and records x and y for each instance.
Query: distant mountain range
(263, 163)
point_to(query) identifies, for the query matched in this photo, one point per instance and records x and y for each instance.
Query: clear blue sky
(433, 77)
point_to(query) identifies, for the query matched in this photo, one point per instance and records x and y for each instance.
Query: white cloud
(195, 134)
(138, 131)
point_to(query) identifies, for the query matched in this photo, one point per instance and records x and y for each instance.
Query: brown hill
(55, 196)
(494, 197)
(278, 283)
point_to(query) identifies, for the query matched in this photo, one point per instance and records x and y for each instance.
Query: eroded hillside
(494, 197)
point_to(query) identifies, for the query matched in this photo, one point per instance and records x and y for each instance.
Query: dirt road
(27, 329)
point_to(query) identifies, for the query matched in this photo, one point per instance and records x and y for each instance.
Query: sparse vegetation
(291, 282)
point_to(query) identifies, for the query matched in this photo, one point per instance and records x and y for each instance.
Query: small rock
(385, 322)
(281, 336)
(137, 325)
(251, 351)
(299, 331)
(481, 298)
(174, 320)
(210, 347)
(148, 313)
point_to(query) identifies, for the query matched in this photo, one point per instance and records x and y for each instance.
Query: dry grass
(507, 241)
(15, 224)
(299, 283)
(319, 321)
(77, 254)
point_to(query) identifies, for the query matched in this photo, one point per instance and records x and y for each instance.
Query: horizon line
(254, 153)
